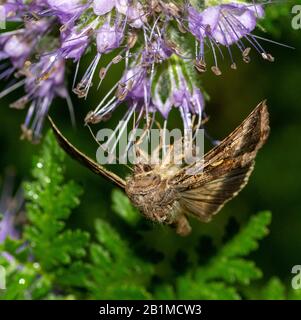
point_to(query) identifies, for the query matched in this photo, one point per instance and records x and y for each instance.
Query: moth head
(142, 169)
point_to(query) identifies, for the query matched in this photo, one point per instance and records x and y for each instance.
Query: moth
(168, 194)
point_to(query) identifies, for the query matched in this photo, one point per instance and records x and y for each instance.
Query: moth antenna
(93, 135)
(145, 131)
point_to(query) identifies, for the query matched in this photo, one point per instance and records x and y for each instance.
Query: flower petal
(102, 7)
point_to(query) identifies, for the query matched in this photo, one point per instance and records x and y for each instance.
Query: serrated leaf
(207, 291)
(230, 270)
(274, 290)
(115, 271)
(247, 239)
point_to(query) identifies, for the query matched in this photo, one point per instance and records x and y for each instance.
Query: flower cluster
(159, 44)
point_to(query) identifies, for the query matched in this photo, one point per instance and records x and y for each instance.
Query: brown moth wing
(225, 169)
(85, 160)
(206, 200)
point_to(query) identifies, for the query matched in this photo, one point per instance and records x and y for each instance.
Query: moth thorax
(151, 195)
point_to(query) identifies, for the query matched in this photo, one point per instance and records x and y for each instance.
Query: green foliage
(47, 250)
(274, 290)
(222, 276)
(115, 271)
(122, 207)
(274, 23)
(50, 202)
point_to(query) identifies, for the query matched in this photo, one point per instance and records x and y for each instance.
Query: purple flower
(135, 15)
(14, 9)
(147, 40)
(225, 25)
(10, 208)
(7, 225)
(18, 46)
(133, 10)
(108, 37)
(74, 43)
(102, 7)
(189, 103)
(133, 87)
(43, 82)
(17, 49)
(182, 95)
(66, 10)
(66, 6)
(156, 52)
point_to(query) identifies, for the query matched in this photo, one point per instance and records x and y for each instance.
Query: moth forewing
(83, 159)
(226, 168)
(250, 135)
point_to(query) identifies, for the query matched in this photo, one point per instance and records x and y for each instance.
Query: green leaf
(294, 294)
(221, 277)
(230, 270)
(122, 207)
(165, 292)
(247, 240)
(48, 255)
(205, 290)
(115, 271)
(274, 290)
(49, 204)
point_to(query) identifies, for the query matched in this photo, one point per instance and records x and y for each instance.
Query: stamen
(200, 66)
(216, 70)
(12, 88)
(132, 39)
(268, 56)
(85, 84)
(20, 103)
(245, 55)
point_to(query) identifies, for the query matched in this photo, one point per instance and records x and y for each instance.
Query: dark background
(275, 184)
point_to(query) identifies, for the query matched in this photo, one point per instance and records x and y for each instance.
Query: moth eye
(146, 168)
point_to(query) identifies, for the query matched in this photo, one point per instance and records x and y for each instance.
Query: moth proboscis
(168, 193)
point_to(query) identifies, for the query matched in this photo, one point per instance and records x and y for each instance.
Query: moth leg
(182, 226)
